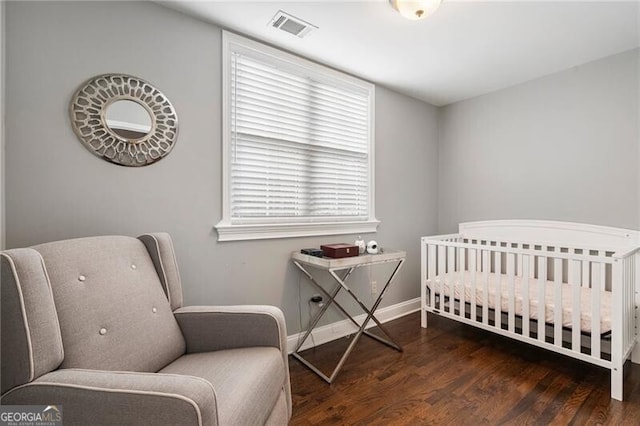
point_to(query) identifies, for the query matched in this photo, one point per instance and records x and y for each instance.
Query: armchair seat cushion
(247, 381)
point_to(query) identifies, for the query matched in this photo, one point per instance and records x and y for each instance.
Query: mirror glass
(128, 119)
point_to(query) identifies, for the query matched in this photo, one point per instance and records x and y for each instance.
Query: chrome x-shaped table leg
(341, 284)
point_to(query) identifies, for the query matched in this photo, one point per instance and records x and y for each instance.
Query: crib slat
(574, 281)
(474, 282)
(603, 276)
(603, 272)
(542, 281)
(511, 282)
(497, 269)
(595, 310)
(431, 273)
(625, 304)
(526, 315)
(532, 267)
(629, 302)
(451, 274)
(597, 276)
(519, 260)
(617, 322)
(630, 324)
(442, 270)
(631, 297)
(627, 298)
(585, 274)
(557, 301)
(485, 293)
(461, 258)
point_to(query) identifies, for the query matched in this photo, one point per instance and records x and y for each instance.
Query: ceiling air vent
(290, 24)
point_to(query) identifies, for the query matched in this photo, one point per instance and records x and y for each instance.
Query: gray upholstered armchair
(97, 325)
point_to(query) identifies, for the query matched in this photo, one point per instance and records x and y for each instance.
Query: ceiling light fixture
(415, 9)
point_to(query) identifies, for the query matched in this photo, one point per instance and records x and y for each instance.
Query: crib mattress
(463, 285)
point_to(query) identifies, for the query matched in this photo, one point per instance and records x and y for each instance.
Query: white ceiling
(467, 48)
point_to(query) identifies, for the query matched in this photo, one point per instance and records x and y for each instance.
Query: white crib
(495, 274)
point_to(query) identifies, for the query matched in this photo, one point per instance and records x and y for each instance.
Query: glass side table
(308, 264)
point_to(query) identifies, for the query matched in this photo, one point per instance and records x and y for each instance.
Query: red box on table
(337, 251)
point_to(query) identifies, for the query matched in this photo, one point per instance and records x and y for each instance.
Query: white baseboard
(339, 329)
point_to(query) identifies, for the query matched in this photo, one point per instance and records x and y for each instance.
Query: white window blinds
(299, 148)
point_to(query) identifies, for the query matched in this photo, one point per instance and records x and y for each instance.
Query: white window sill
(238, 232)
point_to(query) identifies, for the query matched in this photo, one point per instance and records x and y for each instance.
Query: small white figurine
(362, 247)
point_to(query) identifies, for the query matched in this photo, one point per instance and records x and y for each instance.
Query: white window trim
(245, 229)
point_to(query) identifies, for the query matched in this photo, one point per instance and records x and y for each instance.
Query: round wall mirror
(128, 119)
(124, 120)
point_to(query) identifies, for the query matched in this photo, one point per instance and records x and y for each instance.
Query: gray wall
(563, 147)
(57, 189)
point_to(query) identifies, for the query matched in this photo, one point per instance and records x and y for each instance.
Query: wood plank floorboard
(451, 373)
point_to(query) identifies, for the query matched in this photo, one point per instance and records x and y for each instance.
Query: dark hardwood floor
(451, 373)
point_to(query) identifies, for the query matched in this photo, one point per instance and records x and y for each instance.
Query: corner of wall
(638, 116)
(2, 121)
(439, 112)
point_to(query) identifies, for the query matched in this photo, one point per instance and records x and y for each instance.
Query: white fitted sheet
(464, 281)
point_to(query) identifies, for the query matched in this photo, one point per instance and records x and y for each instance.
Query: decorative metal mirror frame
(88, 110)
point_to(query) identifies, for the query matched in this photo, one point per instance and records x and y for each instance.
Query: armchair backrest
(110, 305)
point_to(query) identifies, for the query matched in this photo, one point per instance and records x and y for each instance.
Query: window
(297, 146)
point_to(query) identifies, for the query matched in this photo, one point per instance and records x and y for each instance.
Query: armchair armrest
(122, 398)
(212, 328)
